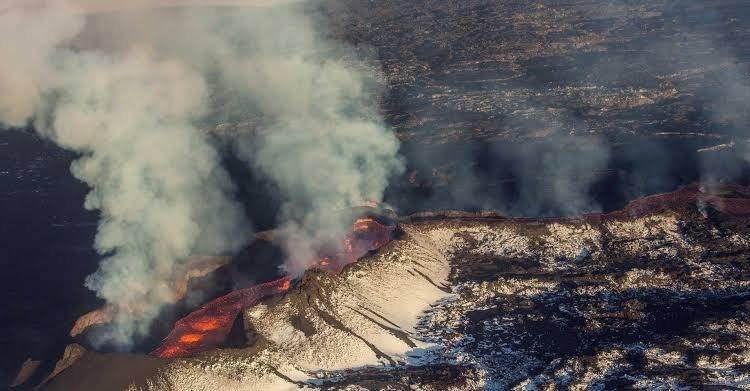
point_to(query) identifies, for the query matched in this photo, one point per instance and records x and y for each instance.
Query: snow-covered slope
(365, 316)
(656, 300)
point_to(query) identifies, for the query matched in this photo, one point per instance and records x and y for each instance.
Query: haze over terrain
(90, 6)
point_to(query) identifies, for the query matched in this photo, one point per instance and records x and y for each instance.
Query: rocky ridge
(658, 299)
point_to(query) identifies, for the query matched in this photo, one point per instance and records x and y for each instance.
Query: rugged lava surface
(654, 298)
(657, 301)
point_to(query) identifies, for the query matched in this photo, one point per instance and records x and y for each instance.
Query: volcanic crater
(654, 295)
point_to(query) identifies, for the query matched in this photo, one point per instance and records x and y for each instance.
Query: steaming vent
(207, 327)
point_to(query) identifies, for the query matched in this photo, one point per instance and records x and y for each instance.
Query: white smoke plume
(156, 180)
(312, 104)
(29, 34)
(317, 129)
(321, 140)
(154, 177)
(131, 102)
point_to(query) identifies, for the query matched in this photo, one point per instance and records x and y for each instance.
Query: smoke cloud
(155, 178)
(320, 137)
(29, 34)
(309, 108)
(136, 103)
(551, 175)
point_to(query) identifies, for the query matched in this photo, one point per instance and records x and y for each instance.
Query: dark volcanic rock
(519, 69)
(548, 107)
(661, 300)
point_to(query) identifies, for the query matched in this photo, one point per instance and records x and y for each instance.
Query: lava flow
(207, 327)
(367, 234)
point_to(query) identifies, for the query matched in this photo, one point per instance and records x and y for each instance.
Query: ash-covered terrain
(525, 110)
(655, 296)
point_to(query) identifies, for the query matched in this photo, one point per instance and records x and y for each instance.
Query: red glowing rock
(207, 327)
(730, 199)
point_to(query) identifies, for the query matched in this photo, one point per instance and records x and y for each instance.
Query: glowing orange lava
(206, 324)
(190, 338)
(367, 234)
(207, 327)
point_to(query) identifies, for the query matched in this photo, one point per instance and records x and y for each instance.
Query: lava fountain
(207, 327)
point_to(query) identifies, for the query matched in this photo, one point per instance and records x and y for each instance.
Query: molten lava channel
(207, 327)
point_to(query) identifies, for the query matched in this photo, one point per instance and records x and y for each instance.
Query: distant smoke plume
(546, 176)
(131, 102)
(639, 97)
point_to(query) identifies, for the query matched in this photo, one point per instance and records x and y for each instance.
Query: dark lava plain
(557, 107)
